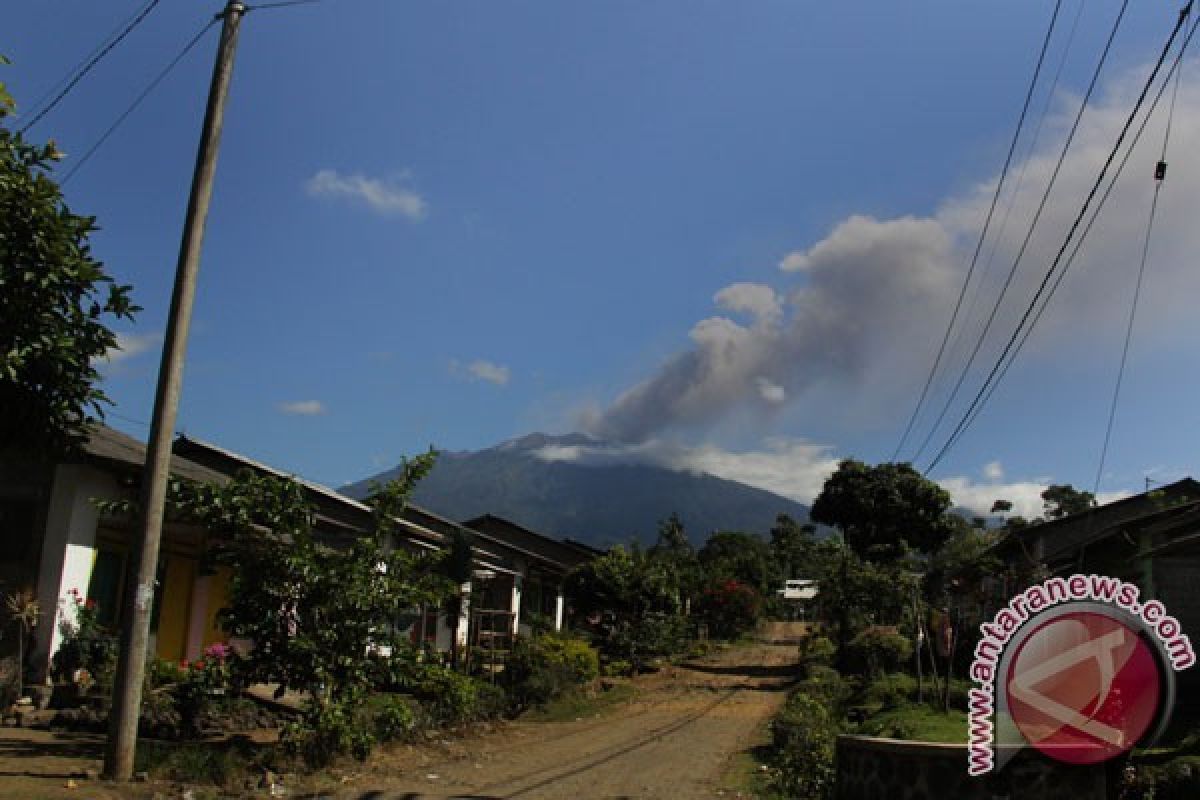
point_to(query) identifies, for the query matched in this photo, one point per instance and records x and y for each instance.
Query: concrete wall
(870, 769)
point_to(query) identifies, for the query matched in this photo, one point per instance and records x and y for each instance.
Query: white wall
(69, 548)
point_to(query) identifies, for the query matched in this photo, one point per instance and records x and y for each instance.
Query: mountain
(602, 502)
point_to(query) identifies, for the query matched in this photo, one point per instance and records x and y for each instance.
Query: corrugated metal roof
(111, 445)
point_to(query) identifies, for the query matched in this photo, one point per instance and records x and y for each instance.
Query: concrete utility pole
(135, 630)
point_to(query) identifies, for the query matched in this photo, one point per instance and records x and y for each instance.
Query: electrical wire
(1160, 177)
(57, 85)
(187, 48)
(96, 59)
(1037, 71)
(1031, 307)
(1083, 105)
(1019, 184)
(1177, 65)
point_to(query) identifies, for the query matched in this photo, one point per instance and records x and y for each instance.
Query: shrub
(730, 608)
(543, 667)
(391, 717)
(826, 685)
(817, 650)
(878, 650)
(654, 635)
(617, 669)
(88, 653)
(326, 731)
(804, 734)
(892, 690)
(452, 698)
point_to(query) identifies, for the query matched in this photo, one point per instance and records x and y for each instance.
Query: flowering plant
(88, 653)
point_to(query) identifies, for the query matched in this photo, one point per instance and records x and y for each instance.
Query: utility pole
(135, 630)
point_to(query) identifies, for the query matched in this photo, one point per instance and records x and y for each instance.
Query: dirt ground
(675, 739)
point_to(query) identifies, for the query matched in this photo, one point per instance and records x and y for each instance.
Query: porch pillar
(515, 606)
(464, 615)
(559, 607)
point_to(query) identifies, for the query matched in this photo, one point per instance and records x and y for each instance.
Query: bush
(892, 690)
(730, 608)
(326, 731)
(654, 635)
(878, 650)
(617, 669)
(817, 650)
(826, 685)
(391, 717)
(804, 734)
(452, 698)
(88, 653)
(543, 667)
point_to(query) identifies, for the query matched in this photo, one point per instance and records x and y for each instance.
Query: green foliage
(1062, 500)
(674, 554)
(878, 650)
(321, 612)
(891, 691)
(741, 557)
(817, 650)
(56, 302)
(916, 722)
(883, 510)
(730, 608)
(87, 654)
(391, 717)
(826, 685)
(544, 667)
(793, 547)
(633, 605)
(449, 697)
(803, 736)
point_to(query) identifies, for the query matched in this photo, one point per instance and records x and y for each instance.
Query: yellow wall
(218, 598)
(176, 605)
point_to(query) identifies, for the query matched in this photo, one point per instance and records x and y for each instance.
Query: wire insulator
(1160, 171)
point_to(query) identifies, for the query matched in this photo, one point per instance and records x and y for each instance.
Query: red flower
(90, 604)
(199, 665)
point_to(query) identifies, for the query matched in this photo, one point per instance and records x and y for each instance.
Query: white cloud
(864, 307)
(771, 392)
(993, 471)
(131, 345)
(304, 408)
(760, 301)
(481, 370)
(790, 467)
(388, 197)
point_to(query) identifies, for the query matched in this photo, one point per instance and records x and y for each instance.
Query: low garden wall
(869, 769)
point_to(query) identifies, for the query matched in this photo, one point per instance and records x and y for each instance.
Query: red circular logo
(1083, 687)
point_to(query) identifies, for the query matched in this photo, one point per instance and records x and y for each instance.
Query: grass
(742, 773)
(575, 705)
(220, 764)
(917, 723)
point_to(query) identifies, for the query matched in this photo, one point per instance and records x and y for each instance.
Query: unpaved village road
(674, 741)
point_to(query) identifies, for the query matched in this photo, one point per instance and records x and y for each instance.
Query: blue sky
(728, 235)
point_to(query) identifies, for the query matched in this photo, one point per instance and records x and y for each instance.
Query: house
(59, 541)
(542, 565)
(1150, 539)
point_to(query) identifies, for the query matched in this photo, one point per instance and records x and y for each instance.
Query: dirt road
(674, 741)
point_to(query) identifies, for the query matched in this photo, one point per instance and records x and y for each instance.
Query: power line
(1088, 228)
(1019, 184)
(96, 59)
(137, 102)
(1160, 174)
(54, 87)
(1062, 155)
(1030, 308)
(1037, 71)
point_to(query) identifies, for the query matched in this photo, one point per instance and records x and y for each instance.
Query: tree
(883, 510)
(55, 301)
(792, 546)
(742, 557)
(675, 553)
(321, 611)
(1061, 500)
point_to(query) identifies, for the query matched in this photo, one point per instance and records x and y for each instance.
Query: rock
(141, 777)
(88, 774)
